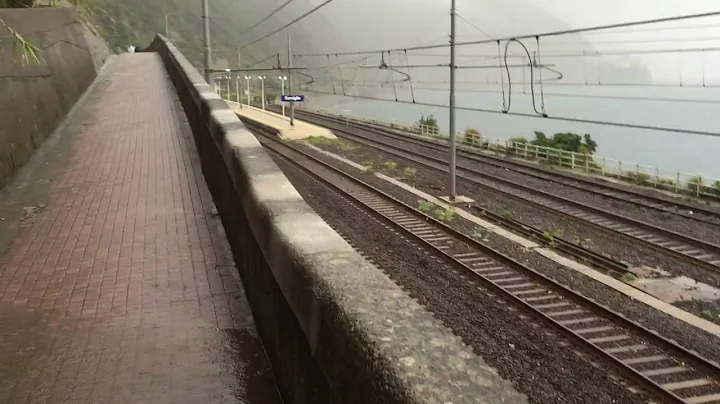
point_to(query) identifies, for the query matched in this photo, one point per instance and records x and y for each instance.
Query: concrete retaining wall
(35, 97)
(336, 329)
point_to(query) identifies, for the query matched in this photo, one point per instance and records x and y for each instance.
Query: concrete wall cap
(335, 293)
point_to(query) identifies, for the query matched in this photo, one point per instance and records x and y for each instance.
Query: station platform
(117, 284)
(301, 130)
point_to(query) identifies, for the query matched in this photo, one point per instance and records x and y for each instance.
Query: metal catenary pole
(262, 93)
(453, 130)
(206, 40)
(290, 82)
(237, 87)
(237, 90)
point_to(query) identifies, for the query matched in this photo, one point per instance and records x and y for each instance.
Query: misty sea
(669, 151)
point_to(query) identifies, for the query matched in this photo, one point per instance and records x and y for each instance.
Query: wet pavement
(117, 284)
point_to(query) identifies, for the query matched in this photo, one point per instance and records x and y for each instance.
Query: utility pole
(237, 78)
(290, 81)
(453, 191)
(237, 90)
(247, 79)
(167, 30)
(206, 39)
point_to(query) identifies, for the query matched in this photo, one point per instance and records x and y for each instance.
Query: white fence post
(657, 177)
(699, 184)
(677, 182)
(572, 163)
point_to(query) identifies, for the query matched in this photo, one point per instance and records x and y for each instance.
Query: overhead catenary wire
(472, 25)
(313, 10)
(553, 118)
(407, 63)
(551, 94)
(267, 17)
(532, 79)
(587, 53)
(528, 36)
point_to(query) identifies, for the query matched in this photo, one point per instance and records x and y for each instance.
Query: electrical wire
(550, 33)
(412, 90)
(532, 78)
(316, 8)
(274, 55)
(473, 25)
(555, 94)
(591, 53)
(277, 10)
(553, 118)
(636, 41)
(337, 64)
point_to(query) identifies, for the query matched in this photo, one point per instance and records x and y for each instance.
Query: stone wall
(335, 328)
(36, 95)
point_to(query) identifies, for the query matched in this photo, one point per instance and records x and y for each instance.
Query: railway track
(588, 257)
(695, 251)
(661, 366)
(607, 190)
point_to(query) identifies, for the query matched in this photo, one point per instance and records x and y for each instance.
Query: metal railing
(635, 173)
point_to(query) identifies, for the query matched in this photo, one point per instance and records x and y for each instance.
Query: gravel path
(706, 344)
(536, 360)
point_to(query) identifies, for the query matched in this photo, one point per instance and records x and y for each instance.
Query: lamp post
(237, 90)
(247, 79)
(282, 79)
(262, 93)
(228, 83)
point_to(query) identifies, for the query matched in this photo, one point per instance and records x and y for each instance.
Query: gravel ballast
(665, 220)
(631, 252)
(668, 326)
(535, 359)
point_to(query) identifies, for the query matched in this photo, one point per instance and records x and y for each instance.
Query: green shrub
(425, 206)
(444, 215)
(716, 188)
(694, 183)
(390, 165)
(629, 277)
(472, 137)
(428, 121)
(548, 237)
(508, 215)
(638, 178)
(410, 172)
(478, 234)
(556, 231)
(707, 314)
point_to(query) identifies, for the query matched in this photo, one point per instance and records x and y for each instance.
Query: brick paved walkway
(121, 288)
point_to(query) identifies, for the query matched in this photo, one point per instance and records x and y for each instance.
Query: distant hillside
(135, 22)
